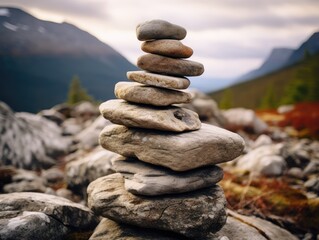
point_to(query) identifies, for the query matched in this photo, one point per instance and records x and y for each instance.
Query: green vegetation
(77, 93)
(226, 101)
(296, 83)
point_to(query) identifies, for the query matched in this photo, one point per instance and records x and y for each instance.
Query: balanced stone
(150, 180)
(159, 29)
(158, 80)
(170, 66)
(192, 214)
(180, 152)
(167, 47)
(139, 93)
(145, 116)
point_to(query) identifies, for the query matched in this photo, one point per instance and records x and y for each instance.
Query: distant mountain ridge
(280, 58)
(38, 59)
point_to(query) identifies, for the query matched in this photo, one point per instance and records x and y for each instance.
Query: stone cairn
(166, 175)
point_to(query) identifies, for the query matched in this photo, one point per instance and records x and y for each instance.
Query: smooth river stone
(158, 80)
(180, 152)
(139, 93)
(171, 118)
(171, 66)
(159, 29)
(168, 48)
(150, 180)
(192, 214)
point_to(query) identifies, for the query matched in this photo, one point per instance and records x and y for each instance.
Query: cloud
(228, 36)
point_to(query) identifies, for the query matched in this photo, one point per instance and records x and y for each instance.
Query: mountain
(38, 59)
(276, 60)
(280, 58)
(250, 94)
(311, 46)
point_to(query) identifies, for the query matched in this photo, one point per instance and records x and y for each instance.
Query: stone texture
(170, 66)
(158, 80)
(159, 29)
(46, 216)
(29, 141)
(150, 180)
(25, 181)
(110, 230)
(32, 226)
(168, 48)
(145, 116)
(139, 93)
(85, 169)
(267, 229)
(193, 214)
(180, 152)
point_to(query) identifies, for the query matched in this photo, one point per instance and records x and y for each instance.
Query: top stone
(159, 29)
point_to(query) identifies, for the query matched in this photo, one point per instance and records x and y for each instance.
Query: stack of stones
(166, 176)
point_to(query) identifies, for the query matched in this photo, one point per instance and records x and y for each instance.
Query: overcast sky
(230, 37)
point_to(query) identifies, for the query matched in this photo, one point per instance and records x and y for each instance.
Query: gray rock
(53, 175)
(139, 93)
(168, 48)
(25, 181)
(26, 213)
(158, 80)
(145, 116)
(32, 226)
(29, 141)
(180, 152)
(170, 66)
(295, 172)
(312, 167)
(312, 185)
(193, 214)
(85, 169)
(265, 160)
(71, 126)
(262, 140)
(159, 29)
(147, 179)
(52, 115)
(206, 108)
(265, 229)
(88, 138)
(84, 111)
(110, 230)
(244, 119)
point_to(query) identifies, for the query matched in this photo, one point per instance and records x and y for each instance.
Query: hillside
(250, 94)
(38, 59)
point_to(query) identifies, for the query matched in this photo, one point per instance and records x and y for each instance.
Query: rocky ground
(49, 159)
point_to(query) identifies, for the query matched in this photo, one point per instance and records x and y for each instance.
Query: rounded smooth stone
(174, 119)
(178, 151)
(159, 29)
(158, 80)
(194, 214)
(139, 93)
(168, 48)
(170, 66)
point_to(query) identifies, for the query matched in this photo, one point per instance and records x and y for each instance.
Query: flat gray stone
(168, 48)
(139, 93)
(180, 152)
(192, 214)
(170, 66)
(150, 180)
(158, 80)
(171, 118)
(45, 216)
(159, 29)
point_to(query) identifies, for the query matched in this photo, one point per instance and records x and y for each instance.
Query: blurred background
(256, 54)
